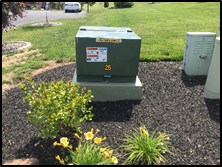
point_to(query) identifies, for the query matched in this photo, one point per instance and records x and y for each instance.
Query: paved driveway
(37, 16)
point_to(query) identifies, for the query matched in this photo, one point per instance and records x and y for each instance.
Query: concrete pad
(110, 91)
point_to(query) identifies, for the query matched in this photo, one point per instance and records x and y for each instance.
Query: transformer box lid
(106, 32)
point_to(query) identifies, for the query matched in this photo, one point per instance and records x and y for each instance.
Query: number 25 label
(108, 67)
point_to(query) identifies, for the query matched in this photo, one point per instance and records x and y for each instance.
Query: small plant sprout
(90, 150)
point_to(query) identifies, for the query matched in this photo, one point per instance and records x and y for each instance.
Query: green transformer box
(107, 57)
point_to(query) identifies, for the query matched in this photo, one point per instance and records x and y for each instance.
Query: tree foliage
(106, 4)
(91, 3)
(10, 12)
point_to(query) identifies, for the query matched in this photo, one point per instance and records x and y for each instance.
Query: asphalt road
(38, 16)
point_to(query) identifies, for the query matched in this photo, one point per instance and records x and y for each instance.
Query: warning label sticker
(96, 54)
(108, 40)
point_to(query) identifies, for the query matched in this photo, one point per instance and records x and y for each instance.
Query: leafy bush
(58, 6)
(87, 152)
(58, 107)
(123, 4)
(106, 4)
(145, 149)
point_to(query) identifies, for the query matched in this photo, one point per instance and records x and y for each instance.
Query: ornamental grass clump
(58, 107)
(89, 151)
(144, 148)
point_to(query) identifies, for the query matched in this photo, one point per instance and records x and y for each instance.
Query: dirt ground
(19, 59)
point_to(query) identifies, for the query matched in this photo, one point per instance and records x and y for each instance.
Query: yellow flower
(63, 140)
(102, 150)
(167, 138)
(140, 130)
(89, 135)
(66, 144)
(145, 132)
(69, 164)
(114, 160)
(70, 146)
(160, 135)
(97, 140)
(56, 144)
(77, 149)
(110, 153)
(58, 157)
(106, 154)
(97, 130)
(104, 138)
(61, 161)
(78, 136)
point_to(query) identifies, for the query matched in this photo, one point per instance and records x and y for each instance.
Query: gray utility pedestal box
(198, 51)
(107, 60)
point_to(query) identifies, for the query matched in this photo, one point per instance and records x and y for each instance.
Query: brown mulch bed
(172, 102)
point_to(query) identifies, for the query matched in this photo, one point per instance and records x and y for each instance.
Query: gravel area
(49, 24)
(172, 102)
(14, 46)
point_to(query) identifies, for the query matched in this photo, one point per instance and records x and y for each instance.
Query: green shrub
(144, 148)
(57, 108)
(123, 4)
(106, 4)
(87, 152)
(58, 6)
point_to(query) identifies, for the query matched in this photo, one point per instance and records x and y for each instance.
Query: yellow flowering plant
(90, 151)
(143, 148)
(57, 106)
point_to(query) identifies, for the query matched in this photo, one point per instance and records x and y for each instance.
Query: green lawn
(162, 27)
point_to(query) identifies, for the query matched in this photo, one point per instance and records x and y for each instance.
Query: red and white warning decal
(96, 54)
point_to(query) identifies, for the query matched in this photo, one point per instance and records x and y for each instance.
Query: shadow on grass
(31, 28)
